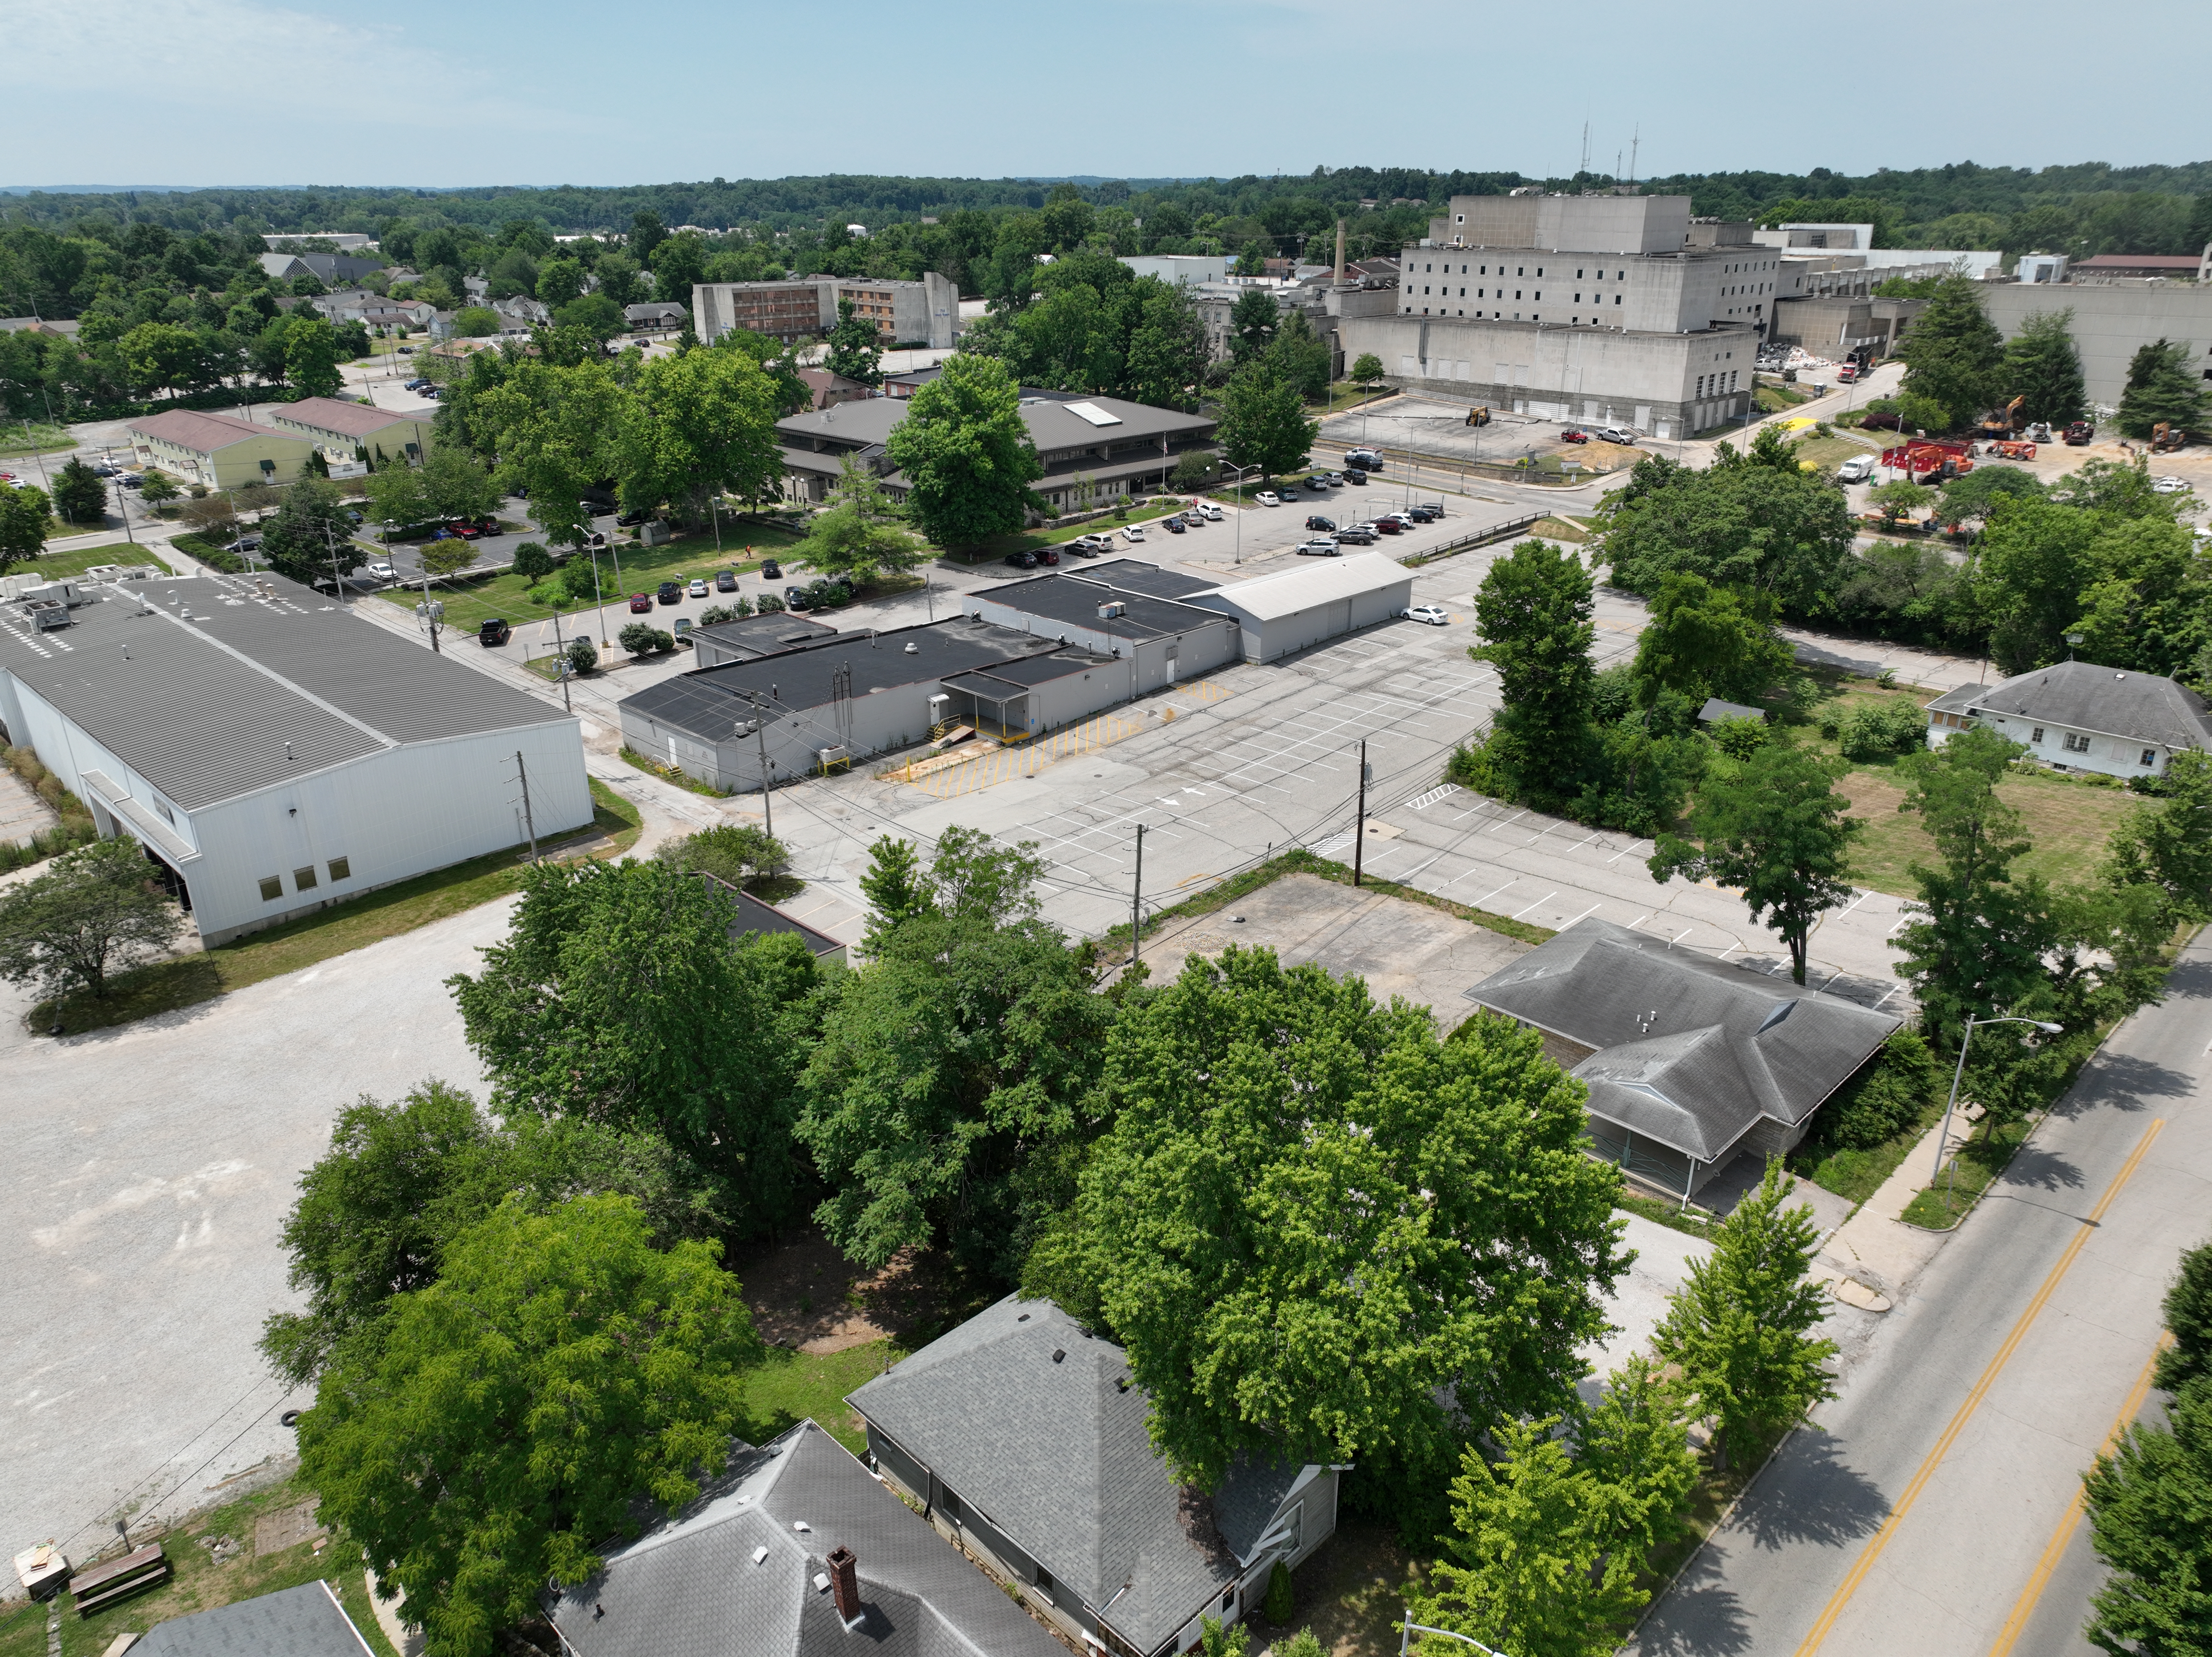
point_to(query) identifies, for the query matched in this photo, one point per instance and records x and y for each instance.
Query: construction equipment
(1926, 458)
(2001, 423)
(1479, 415)
(2012, 450)
(2164, 439)
(2039, 431)
(2078, 433)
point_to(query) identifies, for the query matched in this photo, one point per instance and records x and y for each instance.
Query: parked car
(1207, 510)
(1049, 555)
(1425, 515)
(1433, 615)
(1321, 481)
(1020, 558)
(631, 519)
(1856, 470)
(641, 604)
(698, 586)
(2170, 486)
(380, 569)
(770, 570)
(493, 632)
(1321, 547)
(1288, 492)
(108, 471)
(682, 626)
(1574, 434)
(1388, 526)
(1362, 459)
(726, 581)
(466, 532)
(1172, 523)
(1356, 477)
(1402, 518)
(1616, 435)
(131, 481)
(670, 593)
(244, 544)
(1133, 533)
(1089, 546)
(1268, 498)
(1356, 535)
(1317, 522)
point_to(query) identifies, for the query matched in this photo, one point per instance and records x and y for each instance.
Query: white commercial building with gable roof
(1294, 609)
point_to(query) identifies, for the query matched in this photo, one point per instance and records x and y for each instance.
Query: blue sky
(201, 92)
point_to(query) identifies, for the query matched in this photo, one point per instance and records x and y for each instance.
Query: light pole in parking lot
(1239, 472)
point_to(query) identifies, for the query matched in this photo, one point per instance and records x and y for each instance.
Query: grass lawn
(1856, 1175)
(188, 980)
(2066, 821)
(792, 1386)
(1832, 451)
(1773, 399)
(1558, 529)
(34, 439)
(53, 566)
(1966, 1177)
(1347, 394)
(200, 1583)
(472, 599)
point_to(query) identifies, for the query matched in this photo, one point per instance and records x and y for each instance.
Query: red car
(1572, 435)
(641, 604)
(1389, 527)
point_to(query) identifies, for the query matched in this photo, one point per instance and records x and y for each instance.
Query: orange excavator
(2003, 423)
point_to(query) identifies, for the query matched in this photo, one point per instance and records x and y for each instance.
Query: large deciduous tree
(23, 523)
(1263, 422)
(311, 357)
(1324, 1234)
(620, 997)
(695, 425)
(854, 348)
(967, 454)
(516, 1411)
(97, 910)
(1702, 640)
(311, 538)
(1777, 832)
(1778, 532)
(554, 431)
(1532, 615)
(860, 534)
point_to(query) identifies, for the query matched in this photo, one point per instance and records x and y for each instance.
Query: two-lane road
(1935, 1511)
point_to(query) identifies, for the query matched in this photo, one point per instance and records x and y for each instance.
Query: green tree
(2162, 389)
(679, 264)
(1636, 1443)
(555, 431)
(1312, 1217)
(1900, 497)
(2167, 844)
(859, 535)
(2188, 1309)
(854, 348)
(950, 1093)
(476, 322)
(1253, 321)
(559, 281)
(583, 655)
(80, 492)
(1533, 615)
(1367, 372)
(311, 538)
(1165, 362)
(2033, 565)
(2043, 368)
(734, 852)
(620, 997)
(895, 886)
(1263, 422)
(559, 1371)
(1779, 532)
(159, 354)
(645, 233)
(159, 488)
(96, 912)
(1301, 356)
(532, 562)
(1976, 494)
(311, 357)
(513, 273)
(618, 277)
(2148, 1503)
(23, 523)
(1777, 833)
(967, 454)
(2146, 602)
(695, 425)
(1953, 353)
(595, 318)
(1742, 1326)
(1704, 640)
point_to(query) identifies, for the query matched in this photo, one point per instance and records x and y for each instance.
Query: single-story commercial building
(771, 633)
(1022, 1438)
(2077, 716)
(795, 1550)
(218, 450)
(1134, 611)
(1690, 1062)
(340, 428)
(857, 694)
(1294, 609)
(274, 753)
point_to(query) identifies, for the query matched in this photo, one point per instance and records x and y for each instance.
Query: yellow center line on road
(1842, 1597)
(2040, 1578)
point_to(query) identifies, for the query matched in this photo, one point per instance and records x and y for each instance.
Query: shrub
(715, 613)
(583, 656)
(1279, 1602)
(643, 639)
(532, 562)
(1886, 1098)
(1873, 731)
(1739, 738)
(770, 604)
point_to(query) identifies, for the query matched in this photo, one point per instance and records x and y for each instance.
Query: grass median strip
(166, 986)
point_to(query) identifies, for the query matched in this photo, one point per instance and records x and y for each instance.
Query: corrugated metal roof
(218, 690)
(1287, 592)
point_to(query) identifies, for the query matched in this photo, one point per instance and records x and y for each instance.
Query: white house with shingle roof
(2078, 716)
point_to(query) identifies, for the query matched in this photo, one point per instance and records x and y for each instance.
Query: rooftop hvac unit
(1107, 612)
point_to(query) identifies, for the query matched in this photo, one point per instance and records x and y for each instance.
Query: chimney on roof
(845, 1582)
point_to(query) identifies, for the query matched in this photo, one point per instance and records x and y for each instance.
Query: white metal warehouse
(275, 753)
(1296, 609)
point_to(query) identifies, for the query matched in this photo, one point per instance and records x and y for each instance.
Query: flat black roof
(767, 635)
(708, 702)
(1135, 575)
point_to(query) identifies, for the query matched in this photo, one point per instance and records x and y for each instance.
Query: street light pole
(1965, 1039)
(1408, 1628)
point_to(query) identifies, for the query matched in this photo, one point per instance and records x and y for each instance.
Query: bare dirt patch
(806, 1295)
(1351, 1594)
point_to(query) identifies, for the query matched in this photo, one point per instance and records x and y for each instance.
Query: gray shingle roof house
(1020, 1434)
(2082, 716)
(303, 1622)
(1689, 1061)
(753, 1570)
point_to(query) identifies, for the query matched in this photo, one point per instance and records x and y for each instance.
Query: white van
(1856, 470)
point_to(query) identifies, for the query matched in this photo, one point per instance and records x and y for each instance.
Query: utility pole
(529, 825)
(431, 617)
(1360, 823)
(560, 649)
(338, 576)
(768, 796)
(1137, 900)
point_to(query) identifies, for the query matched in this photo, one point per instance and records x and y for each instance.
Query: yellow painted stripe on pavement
(1820, 1629)
(2039, 1579)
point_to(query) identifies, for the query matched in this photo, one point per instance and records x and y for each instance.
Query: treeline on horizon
(2082, 209)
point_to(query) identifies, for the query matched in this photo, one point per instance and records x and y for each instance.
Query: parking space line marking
(1479, 901)
(1623, 852)
(1584, 915)
(1639, 920)
(1546, 898)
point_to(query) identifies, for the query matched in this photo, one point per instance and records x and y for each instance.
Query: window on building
(2150, 757)
(304, 879)
(271, 888)
(1616, 299)
(2036, 735)
(341, 868)
(2076, 742)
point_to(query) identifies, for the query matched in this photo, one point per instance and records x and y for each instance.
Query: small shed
(1297, 608)
(1716, 710)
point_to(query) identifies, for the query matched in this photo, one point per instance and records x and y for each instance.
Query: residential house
(307, 1621)
(341, 430)
(218, 450)
(331, 269)
(1023, 1438)
(2078, 716)
(1690, 1062)
(795, 1550)
(655, 316)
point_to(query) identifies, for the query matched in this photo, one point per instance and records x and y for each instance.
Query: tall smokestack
(1340, 251)
(845, 1581)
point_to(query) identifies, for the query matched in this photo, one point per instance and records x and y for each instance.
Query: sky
(477, 92)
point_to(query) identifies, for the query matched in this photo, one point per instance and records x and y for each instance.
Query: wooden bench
(97, 1586)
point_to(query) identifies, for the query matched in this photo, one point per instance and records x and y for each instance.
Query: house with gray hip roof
(1022, 1436)
(796, 1551)
(303, 1622)
(2078, 716)
(1690, 1062)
